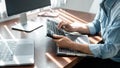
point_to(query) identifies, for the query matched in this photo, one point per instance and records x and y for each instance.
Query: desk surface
(45, 56)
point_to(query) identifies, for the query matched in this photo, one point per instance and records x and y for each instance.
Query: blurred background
(78, 5)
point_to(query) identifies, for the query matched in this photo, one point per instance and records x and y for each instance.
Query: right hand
(66, 26)
(63, 41)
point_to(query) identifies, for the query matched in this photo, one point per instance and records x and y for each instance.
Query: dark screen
(18, 6)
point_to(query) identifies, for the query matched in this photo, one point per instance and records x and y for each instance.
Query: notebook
(16, 52)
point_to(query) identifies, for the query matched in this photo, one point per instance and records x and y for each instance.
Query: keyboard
(6, 51)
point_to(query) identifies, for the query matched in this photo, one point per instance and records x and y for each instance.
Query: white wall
(95, 6)
(82, 5)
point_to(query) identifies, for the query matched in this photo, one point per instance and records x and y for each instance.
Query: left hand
(63, 41)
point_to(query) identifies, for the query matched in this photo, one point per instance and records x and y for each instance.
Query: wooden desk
(45, 56)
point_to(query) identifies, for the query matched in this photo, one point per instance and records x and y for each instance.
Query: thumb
(57, 36)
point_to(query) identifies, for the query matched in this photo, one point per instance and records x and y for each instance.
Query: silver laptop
(16, 52)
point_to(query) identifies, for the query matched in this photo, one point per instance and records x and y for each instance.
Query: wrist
(76, 29)
(72, 45)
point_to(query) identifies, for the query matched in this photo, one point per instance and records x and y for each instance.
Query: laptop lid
(16, 52)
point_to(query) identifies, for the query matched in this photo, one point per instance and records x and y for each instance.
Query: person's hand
(66, 26)
(62, 41)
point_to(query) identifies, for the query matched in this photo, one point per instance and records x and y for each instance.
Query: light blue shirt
(107, 22)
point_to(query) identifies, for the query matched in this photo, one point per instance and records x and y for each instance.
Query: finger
(57, 40)
(60, 25)
(67, 27)
(57, 36)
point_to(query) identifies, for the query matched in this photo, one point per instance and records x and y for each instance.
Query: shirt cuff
(94, 48)
(91, 28)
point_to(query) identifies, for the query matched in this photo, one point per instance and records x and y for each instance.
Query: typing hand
(66, 27)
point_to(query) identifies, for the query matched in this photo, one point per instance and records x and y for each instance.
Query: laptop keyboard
(68, 51)
(6, 50)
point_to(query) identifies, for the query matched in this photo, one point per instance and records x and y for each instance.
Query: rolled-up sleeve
(94, 26)
(104, 51)
(111, 47)
(91, 28)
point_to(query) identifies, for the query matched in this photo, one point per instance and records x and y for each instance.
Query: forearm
(80, 47)
(83, 29)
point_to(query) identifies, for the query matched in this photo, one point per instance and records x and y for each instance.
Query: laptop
(15, 52)
(75, 36)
